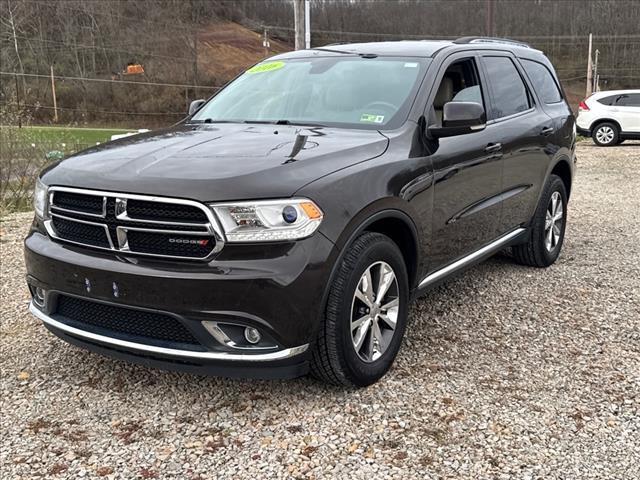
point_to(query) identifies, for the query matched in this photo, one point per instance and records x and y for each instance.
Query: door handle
(547, 131)
(493, 147)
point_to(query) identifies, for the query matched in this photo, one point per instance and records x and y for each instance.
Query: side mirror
(195, 106)
(460, 118)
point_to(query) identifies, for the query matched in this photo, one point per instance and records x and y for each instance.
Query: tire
(606, 134)
(335, 357)
(542, 249)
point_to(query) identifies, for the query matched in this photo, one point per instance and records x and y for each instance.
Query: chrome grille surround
(120, 243)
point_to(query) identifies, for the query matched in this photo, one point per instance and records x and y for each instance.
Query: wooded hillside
(187, 48)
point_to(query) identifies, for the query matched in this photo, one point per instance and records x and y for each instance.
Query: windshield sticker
(410, 65)
(367, 117)
(266, 67)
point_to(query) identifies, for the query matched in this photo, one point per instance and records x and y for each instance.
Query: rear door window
(542, 81)
(629, 100)
(508, 91)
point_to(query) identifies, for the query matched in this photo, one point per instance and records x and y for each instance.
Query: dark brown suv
(286, 224)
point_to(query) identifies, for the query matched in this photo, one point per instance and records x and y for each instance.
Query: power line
(98, 47)
(450, 37)
(106, 80)
(49, 107)
(112, 14)
(572, 78)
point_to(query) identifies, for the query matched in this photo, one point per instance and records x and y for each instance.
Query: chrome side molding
(457, 265)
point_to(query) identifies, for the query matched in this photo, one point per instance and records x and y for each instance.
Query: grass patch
(65, 139)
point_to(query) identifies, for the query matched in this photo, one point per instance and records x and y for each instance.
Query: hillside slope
(225, 49)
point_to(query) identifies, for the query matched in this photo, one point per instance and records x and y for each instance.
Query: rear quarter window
(543, 81)
(610, 100)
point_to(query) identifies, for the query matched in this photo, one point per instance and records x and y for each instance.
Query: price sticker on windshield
(266, 67)
(369, 118)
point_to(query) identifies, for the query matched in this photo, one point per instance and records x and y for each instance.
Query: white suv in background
(610, 117)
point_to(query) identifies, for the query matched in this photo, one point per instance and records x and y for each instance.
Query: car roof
(414, 48)
(406, 48)
(606, 93)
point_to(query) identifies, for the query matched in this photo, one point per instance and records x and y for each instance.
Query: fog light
(39, 296)
(252, 335)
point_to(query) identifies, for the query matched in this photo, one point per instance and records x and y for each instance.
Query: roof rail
(491, 40)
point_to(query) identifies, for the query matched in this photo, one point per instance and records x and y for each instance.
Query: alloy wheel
(605, 134)
(374, 311)
(553, 221)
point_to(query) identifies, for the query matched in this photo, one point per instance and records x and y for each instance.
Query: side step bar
(469, 259)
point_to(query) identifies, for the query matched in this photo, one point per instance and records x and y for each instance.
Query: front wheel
(365, 316)
(547, 227)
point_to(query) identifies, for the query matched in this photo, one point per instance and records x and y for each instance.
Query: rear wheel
(605, 134)
(365, 315)
(547, 227)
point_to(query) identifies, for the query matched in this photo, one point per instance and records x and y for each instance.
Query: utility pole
(265, 43)
(589, 69)
(490, 18)
(595, 72)
(195, 58)
(307, 25)
(298, 18)
(53, 94)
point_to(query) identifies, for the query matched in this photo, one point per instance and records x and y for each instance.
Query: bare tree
(10, 21)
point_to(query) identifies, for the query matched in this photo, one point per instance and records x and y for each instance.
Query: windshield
(347, 91)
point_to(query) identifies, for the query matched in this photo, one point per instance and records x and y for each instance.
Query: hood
(217, 162)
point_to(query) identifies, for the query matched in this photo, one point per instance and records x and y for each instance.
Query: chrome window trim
(173, 352)
(213, 227)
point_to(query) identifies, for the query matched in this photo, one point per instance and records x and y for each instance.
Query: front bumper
(278, 289)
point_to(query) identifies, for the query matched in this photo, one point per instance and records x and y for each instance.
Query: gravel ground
(507, 372)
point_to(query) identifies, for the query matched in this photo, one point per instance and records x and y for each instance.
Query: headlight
(268, 221)
(40, 198)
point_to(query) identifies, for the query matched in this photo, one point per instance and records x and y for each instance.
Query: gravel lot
(507, 372)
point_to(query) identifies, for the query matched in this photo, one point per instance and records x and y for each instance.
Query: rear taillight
(583, 106)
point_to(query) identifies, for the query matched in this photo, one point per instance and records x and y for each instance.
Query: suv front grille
(169, 244)
(111, 319)
(143, 210)
(80, 232)
(137, 224)
(75, 202)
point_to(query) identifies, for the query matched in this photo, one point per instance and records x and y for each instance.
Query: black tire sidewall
(361, 373)
(616, 134)
(555, 185)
